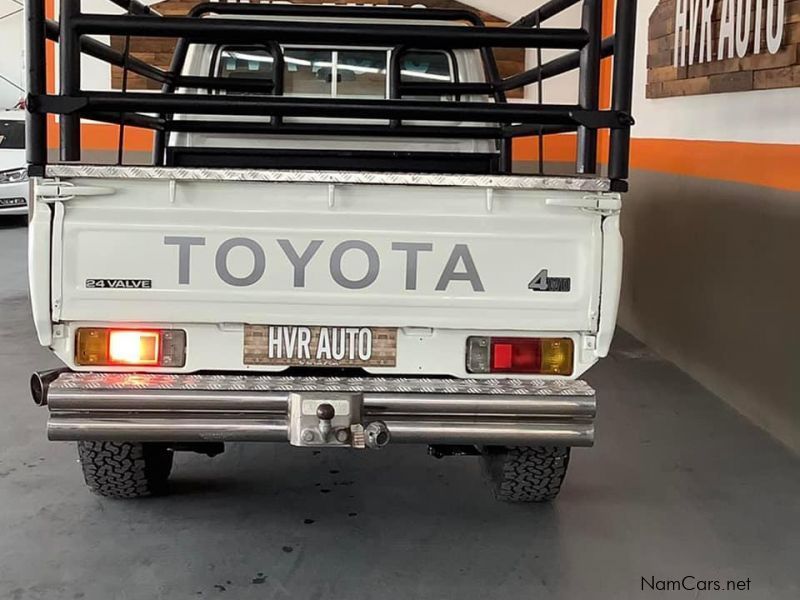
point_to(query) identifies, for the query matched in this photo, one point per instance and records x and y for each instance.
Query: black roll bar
(70, 79)
(231, 23)
(321, 10)
(312, 32)
(36, 129)
(589, 85)
(204, 104)
(622, 88)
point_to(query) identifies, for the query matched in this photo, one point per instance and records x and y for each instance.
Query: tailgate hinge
(604, 204)
(50, 190)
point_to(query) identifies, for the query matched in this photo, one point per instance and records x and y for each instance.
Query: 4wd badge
(544, 283)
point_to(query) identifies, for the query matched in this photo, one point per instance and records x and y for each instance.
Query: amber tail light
(108, 347)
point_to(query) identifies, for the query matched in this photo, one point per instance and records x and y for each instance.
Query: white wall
(561, 89)
(506, 9)
(756, 116)
(96, 74)
(767, 116)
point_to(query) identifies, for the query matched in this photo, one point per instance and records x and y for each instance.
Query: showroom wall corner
(712, 223)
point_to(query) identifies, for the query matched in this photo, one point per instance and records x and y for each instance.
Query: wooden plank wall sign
(713, 46)
(158, 51)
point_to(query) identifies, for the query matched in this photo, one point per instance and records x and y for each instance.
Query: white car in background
(13, 167)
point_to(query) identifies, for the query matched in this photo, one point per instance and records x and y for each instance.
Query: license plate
(287, 345)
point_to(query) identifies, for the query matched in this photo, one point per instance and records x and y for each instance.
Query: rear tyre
(125, 469)
(525, 474)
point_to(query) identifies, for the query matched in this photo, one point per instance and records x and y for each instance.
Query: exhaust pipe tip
(377, 435)
(40, 385)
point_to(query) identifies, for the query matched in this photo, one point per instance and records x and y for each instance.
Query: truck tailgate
(161, 250)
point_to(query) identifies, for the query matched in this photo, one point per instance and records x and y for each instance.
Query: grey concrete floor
(678, 485)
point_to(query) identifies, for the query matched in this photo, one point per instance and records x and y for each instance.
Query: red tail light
(516, 356)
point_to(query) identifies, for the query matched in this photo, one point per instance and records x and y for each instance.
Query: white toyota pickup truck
(330, 249)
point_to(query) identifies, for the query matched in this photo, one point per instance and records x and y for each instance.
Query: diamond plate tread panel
(268, 383)
(510, 182)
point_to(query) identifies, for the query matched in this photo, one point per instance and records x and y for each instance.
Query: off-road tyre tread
(125, 469)
(526, 474)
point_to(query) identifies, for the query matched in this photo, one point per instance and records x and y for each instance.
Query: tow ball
(333, 421)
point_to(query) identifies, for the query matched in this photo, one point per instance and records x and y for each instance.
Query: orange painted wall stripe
(771, 165)
(557, 148)
(50, 73)
(105, 137)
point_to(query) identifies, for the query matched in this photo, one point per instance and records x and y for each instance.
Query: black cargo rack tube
(36, 126)
(622, 89)
(249, 127)
(213, 30)
(321, 10)
(545, 114)
(70, 81)
(459, 119)
(589, 85)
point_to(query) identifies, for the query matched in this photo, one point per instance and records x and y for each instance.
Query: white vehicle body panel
(612, 284)
(14, 190)
(39, 271)
(509, 236)
(13, 159)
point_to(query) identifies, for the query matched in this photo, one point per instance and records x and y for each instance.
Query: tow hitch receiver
(333, 421)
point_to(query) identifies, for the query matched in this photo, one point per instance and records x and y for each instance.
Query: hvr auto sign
(741, 30)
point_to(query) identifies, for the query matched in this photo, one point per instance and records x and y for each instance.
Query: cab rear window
(426, 66)
(246, 63)
(326, 73)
